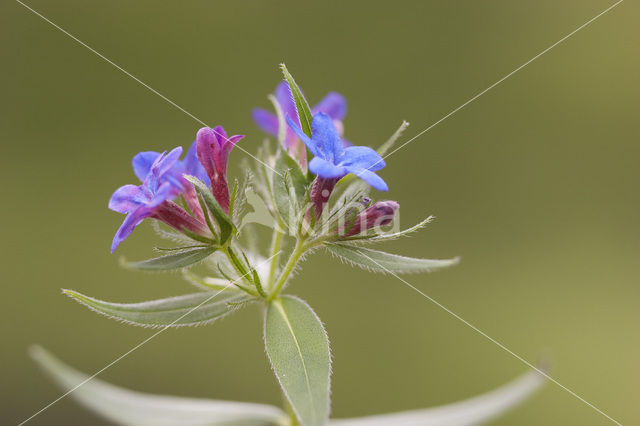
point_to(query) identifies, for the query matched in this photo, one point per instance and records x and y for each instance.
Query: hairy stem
(298, 251)
(276, 243)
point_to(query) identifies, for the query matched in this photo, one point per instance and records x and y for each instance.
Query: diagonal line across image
(451, 113)
(145, 85)
(494, 341)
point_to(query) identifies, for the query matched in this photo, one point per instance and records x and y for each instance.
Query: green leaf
(391, 236)
(473, 411)
(222, 219)
(130, 408)
(172, 261)
(379, 261)
(298, 349)
(188, 309)
(392, 140)
(304, 112)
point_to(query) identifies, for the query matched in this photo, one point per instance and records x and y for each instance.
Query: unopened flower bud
(379, 214)
(320, 193)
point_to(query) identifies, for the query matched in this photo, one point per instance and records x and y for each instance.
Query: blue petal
(325, 169)
(127, 198)
(166, 191)
(132, 220)
(368, 176)
(334, 104)
(142, 163)
(163, 164)
(308, 142)
(325, 136)
(363, 157)
(267, 121)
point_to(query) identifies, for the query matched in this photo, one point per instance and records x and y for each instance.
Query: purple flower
(139, 202)
(333, 104)
(331, 160)
(162, 180)
(188, 166)
(212, 150)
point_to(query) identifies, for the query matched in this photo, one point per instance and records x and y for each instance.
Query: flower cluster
(163, 180)
(167, 196)
(315, 189)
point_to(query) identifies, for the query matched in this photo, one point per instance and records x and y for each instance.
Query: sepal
(224, 222)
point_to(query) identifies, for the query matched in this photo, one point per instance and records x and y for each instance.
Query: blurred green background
(534, 185)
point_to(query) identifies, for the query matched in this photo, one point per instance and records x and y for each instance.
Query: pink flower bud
(379, 214)
(213, 148)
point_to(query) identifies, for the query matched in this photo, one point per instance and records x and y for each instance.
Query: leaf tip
(69, 293)
(36, 352)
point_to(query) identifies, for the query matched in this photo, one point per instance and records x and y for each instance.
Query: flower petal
(368, 176)
(285, 99)
(163, 165)
(207, 149)
(334, 105)
(308, 142)
(267, 121)
(132, 220)
(363, 157)
(326, 137)
(221, 134)
(325, 169)
(127, 198)
(142, 163)
(231, 142)
(166, 191)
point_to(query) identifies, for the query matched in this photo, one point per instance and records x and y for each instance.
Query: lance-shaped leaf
(304, 112)
(222, 219)
(392, 235)
(176, 260)
(392, 140)
(298, 349)
(129, 408)
(379, 261)
(473, 411)
(188, 309)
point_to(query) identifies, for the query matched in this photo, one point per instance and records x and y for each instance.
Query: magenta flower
(212, 149)
(333, 104)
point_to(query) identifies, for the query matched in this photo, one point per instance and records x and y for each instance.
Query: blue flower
(190, 165)
(333, 104)
(160, 183)
(331, 160)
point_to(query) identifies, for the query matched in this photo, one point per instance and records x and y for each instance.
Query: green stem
(298, 251)
(276, 243)
(241, 274)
